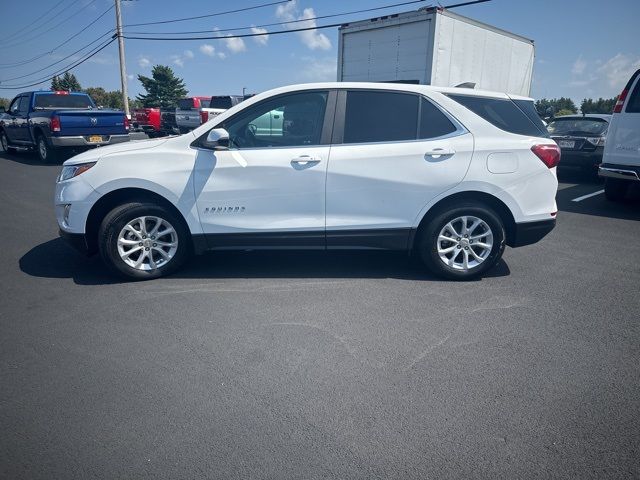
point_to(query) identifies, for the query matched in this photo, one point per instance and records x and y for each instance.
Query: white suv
(447, 173)
(621, 159)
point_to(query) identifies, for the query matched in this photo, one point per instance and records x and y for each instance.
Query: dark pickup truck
(52, 121)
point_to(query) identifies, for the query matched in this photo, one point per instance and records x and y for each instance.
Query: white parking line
(584, 197)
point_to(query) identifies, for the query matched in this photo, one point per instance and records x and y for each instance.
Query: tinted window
(288, 120)
(15, 106)
(529, 109)
(24, 105)
(633, 106)
(578, 126)
(433, 123)
(185, 104)
(52, 100)
(502, 113)
(380, 117)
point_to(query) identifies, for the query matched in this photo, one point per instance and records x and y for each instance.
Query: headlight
(597, 141)
(70, 171)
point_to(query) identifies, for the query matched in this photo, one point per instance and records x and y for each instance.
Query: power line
(255, 7)
(320, 17)
(37, 57)
(63, 70)
(59, 61)
(53, 27)
(21, 32)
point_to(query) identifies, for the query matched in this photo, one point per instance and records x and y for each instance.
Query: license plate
(95, 138)
(566, 144)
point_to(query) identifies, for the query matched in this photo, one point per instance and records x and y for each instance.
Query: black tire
(4, 143)
(46, 153)
(615, 189)
(427, 244)
(114, 223)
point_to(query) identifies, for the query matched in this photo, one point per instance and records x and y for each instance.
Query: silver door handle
(436, 152)
(304, 159)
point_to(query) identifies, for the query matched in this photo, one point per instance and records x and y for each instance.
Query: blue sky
(584, 48)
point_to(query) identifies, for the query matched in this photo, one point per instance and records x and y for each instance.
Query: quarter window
(433, 123)
(380, 116)
(285, 121)
(633, 106)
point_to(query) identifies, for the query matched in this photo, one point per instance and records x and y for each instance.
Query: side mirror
(217, 139)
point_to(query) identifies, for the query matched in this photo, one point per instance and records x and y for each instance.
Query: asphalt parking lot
(314, 365)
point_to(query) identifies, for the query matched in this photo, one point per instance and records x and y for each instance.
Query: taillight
(204, 116)
(55, 123)
(620, 101)
(127, 125)
(549, 154)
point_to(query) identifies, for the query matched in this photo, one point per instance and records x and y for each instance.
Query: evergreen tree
(68, 82)
(164, 89)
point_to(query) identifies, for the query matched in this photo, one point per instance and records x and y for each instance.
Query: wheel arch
(487, 199)
(120, 196)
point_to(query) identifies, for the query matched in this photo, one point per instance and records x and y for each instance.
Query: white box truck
(434, 46)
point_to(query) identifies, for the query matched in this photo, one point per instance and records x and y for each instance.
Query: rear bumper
(83, 141)
(77, 240)
(531, 232)
(622, 172)
(572, 158)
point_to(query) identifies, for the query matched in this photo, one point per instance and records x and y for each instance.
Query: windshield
(221, 102)
(185, 104)
(52, 100)
(578, 126)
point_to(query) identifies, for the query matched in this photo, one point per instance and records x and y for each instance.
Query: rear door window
(633, 106)
(185, 104)
(503, 113)
(379, 116)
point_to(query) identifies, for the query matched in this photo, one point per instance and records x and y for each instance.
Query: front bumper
(621, 172)
(83, 141)
(531, 232)
(76, 240)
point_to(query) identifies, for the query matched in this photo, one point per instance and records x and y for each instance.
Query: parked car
(219, 104)
(155, 122)
(581, 139)
(188, 112)
(621, 161)
(455, 177)
(54, 121)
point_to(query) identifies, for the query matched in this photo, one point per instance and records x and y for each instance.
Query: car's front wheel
(143, 241)
(462, 242)
(4, 143)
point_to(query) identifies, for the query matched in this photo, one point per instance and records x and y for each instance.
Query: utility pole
(123, 68)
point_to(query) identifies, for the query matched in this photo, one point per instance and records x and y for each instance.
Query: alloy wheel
(465, 242)
(147, 243)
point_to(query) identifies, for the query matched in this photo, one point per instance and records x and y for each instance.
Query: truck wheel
(141, 241)
(462, 242)
(4, 143)
(46, 154)
(615, 189)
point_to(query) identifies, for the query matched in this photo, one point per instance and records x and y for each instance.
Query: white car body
(621, 158)
(283, 195)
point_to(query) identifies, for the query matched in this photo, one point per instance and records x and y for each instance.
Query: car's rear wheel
(143, 241)
(462, 242)
(615, 189)
(46, 153)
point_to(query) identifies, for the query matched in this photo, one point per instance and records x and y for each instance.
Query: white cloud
(188, 54)
(222, 55)
(177, 60)
(208, 50)
(180, 60)
(313, 39)
(144, 62)
(235, 45)
(319, 69)
(262, 37)
(579, 66)
(130, 77)
(619, 69)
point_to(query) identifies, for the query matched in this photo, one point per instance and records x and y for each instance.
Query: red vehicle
(155, 122)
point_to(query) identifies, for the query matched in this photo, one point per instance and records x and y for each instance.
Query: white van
(621, 160)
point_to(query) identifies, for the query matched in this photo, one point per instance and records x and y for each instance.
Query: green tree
(164, 89)
(68, 82)
(549, 107)
(4, 102)
(602, 105)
